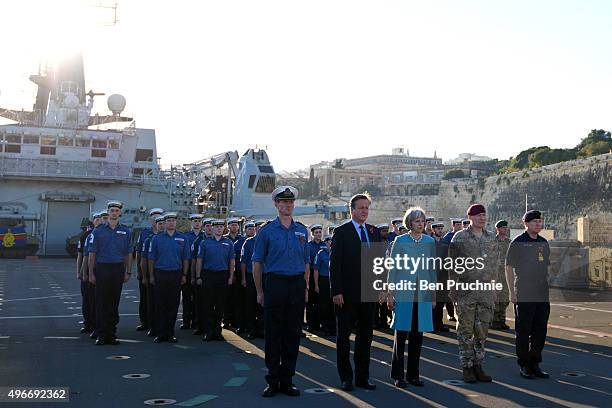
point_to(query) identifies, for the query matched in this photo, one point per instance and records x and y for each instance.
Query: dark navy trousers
(109, 282)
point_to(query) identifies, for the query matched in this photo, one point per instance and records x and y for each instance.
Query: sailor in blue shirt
(142, 282)
(322, 288)
(148, 275)
(207, 225)
(313, 322)
(282, 255)
(110, 252)
(87, 289)
(215, 271)
(253, 312)
(234, 301)
(187, 289)
(396, 223)
(198, 293)
(169, 257)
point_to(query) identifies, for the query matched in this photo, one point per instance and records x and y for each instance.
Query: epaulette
(266, 223)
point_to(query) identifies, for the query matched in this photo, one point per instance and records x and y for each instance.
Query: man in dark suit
(345, 277)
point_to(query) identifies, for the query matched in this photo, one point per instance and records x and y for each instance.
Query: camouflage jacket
(484, 250)
(503, 245)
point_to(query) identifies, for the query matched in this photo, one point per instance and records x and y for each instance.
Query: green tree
(452, 174)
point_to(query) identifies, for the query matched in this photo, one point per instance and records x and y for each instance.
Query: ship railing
(10, 166)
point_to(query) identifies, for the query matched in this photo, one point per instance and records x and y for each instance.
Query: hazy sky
(316, 80)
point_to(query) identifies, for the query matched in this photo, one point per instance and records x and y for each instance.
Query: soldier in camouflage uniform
(499, 315)
(474, 307)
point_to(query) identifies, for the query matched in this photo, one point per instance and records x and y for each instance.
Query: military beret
(115, 204)
(285, 193)
(501, 223)
(532, 215)
(155, 211)
(476, 209)
(170, 215)
(315, 227)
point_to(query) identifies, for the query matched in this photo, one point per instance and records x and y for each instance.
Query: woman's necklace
(414, 239)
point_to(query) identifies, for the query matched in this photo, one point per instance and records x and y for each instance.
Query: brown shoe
(468, 375)
(481, 375)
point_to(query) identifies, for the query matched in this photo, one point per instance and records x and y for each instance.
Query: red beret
(476, 209)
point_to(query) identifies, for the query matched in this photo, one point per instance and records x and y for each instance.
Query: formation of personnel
(264, 282)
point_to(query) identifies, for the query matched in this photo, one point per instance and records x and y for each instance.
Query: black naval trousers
(530, 325)
(187, 294)
(151, 317)
(253, 312)
(88, 293)
(361, 317)
(326, 306)
(167, 291)
(143, 304)
(215, 291)
(109, 282)
(313, 320)
(415, 343)
(283, 314)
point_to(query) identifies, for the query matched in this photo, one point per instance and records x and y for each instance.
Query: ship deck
(40, 345)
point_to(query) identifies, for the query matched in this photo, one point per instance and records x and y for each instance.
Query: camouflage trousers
(499, 315)
(472, 329)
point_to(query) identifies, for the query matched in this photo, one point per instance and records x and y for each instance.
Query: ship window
(83, 141)
(113, 143)
(12, 148)
(98, 143)
(252, 178)
(266, 169)
(30, 139)
(13, 138)
(98, 153)
(48, 140)
(265, 184)
(144, 155)
(66, 141)
(48, 150)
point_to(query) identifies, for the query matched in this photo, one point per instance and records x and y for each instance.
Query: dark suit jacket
(345, 260)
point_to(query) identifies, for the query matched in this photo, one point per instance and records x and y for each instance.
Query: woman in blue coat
(412, 307)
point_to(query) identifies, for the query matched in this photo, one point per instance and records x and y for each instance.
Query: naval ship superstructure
(56, 167)
(59, 163)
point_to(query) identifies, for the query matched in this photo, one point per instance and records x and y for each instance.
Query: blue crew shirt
(238, 242)
(169, 252)
(313, 250)
(144, 234)
(86, 245)
(246, 254)
(216, 254)
(110, 245)
(283, 251)
(448, 237)
(322, 262)
(146, 246)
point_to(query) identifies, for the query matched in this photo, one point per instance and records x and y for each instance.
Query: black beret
(501, 223)
(532, 215)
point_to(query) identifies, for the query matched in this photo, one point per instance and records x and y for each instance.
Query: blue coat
(402, 315)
